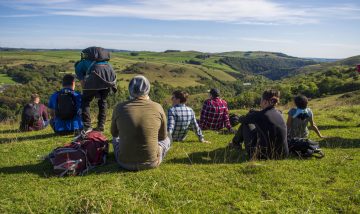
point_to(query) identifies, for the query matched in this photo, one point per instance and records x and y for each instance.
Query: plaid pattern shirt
(180, 118)
(214, 115)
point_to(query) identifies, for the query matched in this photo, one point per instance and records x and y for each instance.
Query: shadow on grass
(334, 127)
(23, 138)
(10, 131)
(45, 170)
(338, 142)
(217, 156)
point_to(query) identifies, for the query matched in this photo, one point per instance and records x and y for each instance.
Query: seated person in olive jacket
(138, 127)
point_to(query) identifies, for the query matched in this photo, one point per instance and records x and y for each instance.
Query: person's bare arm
(315, 128)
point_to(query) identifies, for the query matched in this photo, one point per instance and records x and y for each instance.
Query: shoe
(83, 134)
(235, 146)
(99, 129)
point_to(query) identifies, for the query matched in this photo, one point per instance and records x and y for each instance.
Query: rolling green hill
(40, 72)
(348, 62)
(270, 66)
(194, 177)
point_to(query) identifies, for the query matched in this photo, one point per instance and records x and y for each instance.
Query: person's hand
(205, 141)
(232, 145)
(232, 131)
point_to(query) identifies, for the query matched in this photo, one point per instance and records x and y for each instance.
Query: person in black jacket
(263, 132)
(97, 78)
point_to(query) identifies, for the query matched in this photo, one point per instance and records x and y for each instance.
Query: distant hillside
(349, 62)
(271, 65)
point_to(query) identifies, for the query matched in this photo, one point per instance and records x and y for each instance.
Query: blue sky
(304, 28)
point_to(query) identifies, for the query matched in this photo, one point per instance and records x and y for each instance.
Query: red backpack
(81, 155)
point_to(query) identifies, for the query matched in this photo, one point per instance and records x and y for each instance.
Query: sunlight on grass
(195, 177)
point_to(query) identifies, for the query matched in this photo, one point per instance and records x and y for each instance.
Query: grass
(195, 177)
(4, 79)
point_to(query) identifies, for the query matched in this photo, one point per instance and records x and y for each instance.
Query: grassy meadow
(194, 178)
(4, 79)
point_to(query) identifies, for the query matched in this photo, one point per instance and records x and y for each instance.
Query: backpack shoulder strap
(89, 68)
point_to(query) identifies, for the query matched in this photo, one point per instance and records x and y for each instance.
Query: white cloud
(267, 40)
(253, 12)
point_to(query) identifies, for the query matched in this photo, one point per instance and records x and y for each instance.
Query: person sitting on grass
(214, 113)
(263, 132)
(299, 118)
(139, 130)
(181, 118)
(34, 116)
(65, 108)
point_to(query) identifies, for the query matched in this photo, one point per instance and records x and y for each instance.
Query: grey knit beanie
(139, 86)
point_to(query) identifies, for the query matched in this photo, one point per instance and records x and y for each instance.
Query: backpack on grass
(234, 119)
(303, 147)
(80, 156)
(65, 108)
(30, 117)
(31, 113)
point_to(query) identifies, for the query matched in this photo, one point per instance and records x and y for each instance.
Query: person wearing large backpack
(65, 108)
(263, 132)
(34, 116)
(97, 78)
(138, 127)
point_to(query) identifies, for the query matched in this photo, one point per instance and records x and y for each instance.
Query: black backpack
(65, 108)
(303, 147)
(31, 114)
(97, 54)
(234, 119)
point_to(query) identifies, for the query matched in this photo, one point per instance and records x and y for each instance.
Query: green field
(195, 177)
(4, 79)
(159, 66)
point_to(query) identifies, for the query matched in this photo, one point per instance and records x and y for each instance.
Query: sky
(302, 28)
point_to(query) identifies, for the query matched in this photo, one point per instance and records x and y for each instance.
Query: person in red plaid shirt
(214, 113)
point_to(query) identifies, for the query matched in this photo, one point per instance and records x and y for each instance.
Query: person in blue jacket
(65, 108)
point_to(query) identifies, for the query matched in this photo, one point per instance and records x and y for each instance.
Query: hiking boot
(235, 146)
(99, 129)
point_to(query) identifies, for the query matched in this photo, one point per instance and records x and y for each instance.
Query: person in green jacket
(139, 129)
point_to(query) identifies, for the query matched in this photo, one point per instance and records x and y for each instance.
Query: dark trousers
(246, 134)
(87, 97)
(259, 147)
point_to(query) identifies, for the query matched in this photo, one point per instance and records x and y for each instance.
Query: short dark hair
(181, 95)
(272, 95)
(34, 96)
(214, 92)
(68, 80)
(301, 101)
